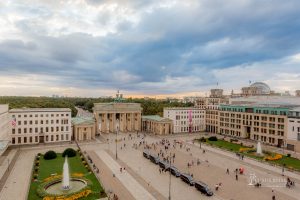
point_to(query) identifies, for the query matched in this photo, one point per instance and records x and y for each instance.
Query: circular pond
(55, 187)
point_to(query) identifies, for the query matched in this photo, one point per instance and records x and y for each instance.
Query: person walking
(227, 171)
(236, 177)
(273, 195)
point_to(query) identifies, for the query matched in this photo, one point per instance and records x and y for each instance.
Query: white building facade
(186, 119)
(293, 134)
(4, 128)
(40, 125)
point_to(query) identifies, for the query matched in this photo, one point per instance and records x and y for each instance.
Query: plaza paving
(126, 179)
(142, 179)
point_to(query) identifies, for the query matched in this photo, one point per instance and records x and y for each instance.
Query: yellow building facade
(157, 125)
(83, 128)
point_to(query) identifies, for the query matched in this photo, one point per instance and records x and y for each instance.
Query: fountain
(66, 175)
(65, 185)
(258, 149)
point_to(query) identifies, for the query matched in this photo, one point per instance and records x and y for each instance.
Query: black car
(202, 187)
(164, 165)
(174, 171)
(146, 154)
(154, 159)
(187, 178)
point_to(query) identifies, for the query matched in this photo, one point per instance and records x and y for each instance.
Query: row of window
(41, 130)
(264, 138)
(178, 117)
(40, 115)
(193, 112)
(272, 132)
(35, 139)
(230, 132)
(194, 128)
(30, 122)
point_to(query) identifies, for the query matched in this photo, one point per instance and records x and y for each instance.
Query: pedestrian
(236, 177)
(227, 171)
(121, 169)
(217, 187)
(273, 195)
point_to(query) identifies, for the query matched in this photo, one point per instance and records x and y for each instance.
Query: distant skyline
(147, 48)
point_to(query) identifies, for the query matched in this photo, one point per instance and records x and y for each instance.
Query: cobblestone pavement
(155, 183)
(211, 172)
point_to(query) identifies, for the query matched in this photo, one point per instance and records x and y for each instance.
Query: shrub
(288, 155)
(203, 139)
(69, 152)
(213, 138)
(49, 155)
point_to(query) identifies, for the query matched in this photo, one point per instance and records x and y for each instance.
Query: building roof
(40, 110)
(258, 105)
(83, 120)
(117, 107)
(156, 118)
(297, 109)
(182, 108)
(261, 86)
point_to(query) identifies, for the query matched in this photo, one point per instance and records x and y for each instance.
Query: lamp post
(107, 130)
(283, 154)
(117, 130)
(170, 177)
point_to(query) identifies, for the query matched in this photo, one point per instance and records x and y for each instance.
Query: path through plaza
(137, 191)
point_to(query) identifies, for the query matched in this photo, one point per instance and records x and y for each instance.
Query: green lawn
(288, 161)
(226, 145)
(48, 167)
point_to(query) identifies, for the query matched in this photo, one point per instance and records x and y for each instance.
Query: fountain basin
(54, 187)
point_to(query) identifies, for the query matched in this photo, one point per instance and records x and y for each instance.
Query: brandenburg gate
(108, 115)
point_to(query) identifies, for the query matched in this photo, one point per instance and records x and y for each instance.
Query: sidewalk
(125, 178)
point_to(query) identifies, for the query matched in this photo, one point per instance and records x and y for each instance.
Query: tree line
(150, 106)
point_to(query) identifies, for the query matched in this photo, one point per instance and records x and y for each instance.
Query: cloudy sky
(147, 47)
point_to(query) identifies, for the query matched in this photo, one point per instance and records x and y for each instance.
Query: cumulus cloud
(148, 47)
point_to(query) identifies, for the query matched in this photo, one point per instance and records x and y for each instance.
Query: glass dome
(264, 88)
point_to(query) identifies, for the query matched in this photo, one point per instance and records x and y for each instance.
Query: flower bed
(272, 158)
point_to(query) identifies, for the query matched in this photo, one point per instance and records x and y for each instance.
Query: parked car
(174, 171)
(187, 178)
(154, 159)
(146, 154)
(164, 165)
(202, 187)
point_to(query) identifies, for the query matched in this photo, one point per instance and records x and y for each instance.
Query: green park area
(46, 171)
(249, 151)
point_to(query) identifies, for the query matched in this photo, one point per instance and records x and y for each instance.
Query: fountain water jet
(258, 148)
(66, 175)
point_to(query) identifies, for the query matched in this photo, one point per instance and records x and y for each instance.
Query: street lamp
(117, 130)
(170, 177)
(283, 154)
